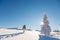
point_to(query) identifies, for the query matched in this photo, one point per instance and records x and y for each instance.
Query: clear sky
(16, 13)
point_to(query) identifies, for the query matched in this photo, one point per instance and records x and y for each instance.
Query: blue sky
(16, 13)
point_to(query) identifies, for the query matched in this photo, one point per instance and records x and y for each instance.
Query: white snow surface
(28, 35)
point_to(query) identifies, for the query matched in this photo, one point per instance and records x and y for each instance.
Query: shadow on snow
(10, 35)
(41, 37)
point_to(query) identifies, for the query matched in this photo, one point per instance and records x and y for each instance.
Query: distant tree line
(56, 31)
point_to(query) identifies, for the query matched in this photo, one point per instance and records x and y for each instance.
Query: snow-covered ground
(55, 34)
(19, 35)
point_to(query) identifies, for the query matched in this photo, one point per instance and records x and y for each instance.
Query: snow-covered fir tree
(45, 28)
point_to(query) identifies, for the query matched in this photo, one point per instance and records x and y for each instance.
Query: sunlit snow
(9, 34)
